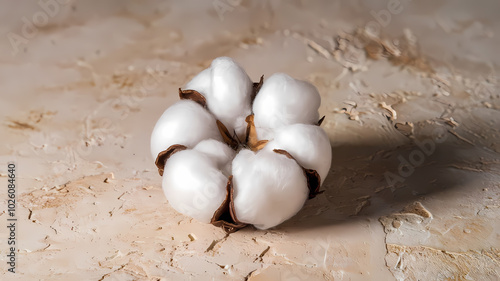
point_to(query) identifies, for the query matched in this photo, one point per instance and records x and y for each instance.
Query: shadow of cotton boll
(373, 180)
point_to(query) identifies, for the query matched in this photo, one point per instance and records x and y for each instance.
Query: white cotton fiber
(283, 100)
(193, 185)
(269, 188)
(308, 144)
(227, 89)
(220, 152)
(265, 133)
(186, 123)
(202, 82)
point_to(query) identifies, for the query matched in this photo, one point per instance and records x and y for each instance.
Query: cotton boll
(308, 144)
(231, 92)
(283, 100)
(228, 90)
(202, 82)
(220, 152)
(186, 123)
(269, 188)
(193, 185)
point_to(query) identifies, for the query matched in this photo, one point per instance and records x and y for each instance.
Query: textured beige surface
(81, 95)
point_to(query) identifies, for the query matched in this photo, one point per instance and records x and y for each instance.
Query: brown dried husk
(194, 96)
(163, 156)
(225, 215)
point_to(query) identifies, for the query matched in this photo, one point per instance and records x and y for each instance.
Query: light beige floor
(80, 96)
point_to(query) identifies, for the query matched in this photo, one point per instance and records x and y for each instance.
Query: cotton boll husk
(308, 144)
(186, 123)
(283, 100)
(220, 152)
(193, 185)
(269, 188)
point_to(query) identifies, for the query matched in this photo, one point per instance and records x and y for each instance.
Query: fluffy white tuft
(265, 133)
(202, 82)
(220, 152)
(282, 101)
(227, 89)
(186, 123)
(308, 144)
(269, 188)
(193, 184)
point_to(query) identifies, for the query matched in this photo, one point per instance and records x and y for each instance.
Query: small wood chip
(319, 49)
(262, 254)
(405, 128)
(192, 237)
(351, 103)
(392, 114)
(466, 168)
(390, 48)
(212, 245)
(460, 137)
(451, 122)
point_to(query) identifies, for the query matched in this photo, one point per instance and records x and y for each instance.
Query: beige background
(81, 94)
